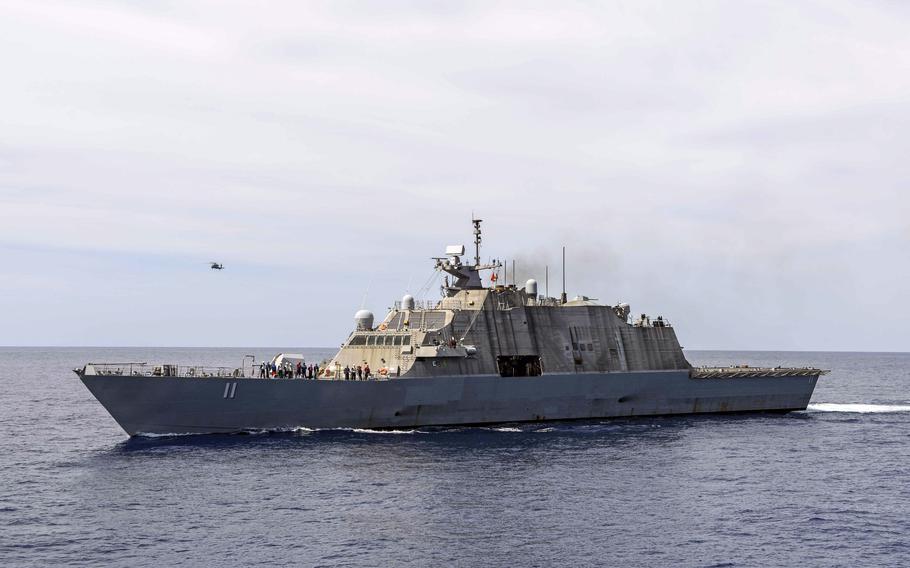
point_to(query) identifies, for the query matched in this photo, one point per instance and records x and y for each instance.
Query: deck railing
(168, 370)
(201, 371)
(745, 371)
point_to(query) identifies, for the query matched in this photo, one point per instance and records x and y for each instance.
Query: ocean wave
(245, 432)
(276, 430)
(279, 430)
(369, 431)
(167, 435)
(859, 408)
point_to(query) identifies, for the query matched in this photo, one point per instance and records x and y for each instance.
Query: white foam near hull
(178, 405)
(859, 408)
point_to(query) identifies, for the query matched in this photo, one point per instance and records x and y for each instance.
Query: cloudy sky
(739, 167)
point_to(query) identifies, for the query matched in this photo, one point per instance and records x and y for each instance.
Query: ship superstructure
(505, 330)
(480, 354)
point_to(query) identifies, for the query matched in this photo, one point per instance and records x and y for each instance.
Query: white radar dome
(531, 287)
(364, 320)
(407, 302)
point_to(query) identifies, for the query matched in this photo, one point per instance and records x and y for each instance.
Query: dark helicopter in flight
(216, 266)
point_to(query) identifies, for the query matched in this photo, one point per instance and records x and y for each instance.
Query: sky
(740, 168)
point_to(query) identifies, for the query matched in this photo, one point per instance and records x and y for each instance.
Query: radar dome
(531, 287)
(407, 302)
(364, 320)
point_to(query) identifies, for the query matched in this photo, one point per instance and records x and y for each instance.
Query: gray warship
(481, 354)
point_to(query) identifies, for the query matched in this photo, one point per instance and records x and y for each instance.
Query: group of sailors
(358, 373)
(301, 370)
(288, 371)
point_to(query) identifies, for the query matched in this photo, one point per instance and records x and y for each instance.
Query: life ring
(383, 371)
(382, 327)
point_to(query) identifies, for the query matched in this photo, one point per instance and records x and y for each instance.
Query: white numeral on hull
(229, 390)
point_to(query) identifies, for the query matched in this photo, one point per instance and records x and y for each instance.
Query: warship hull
(144, 405)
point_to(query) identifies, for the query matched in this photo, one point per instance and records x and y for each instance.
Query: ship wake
(858, 408)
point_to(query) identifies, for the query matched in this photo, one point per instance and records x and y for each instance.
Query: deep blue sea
(825, 487)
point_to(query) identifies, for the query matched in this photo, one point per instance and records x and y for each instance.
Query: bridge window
(358, 340)
(397, 339)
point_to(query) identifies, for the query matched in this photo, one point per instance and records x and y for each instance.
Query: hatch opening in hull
(519, 365)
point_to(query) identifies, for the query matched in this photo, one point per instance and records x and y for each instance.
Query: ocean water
(825, 487)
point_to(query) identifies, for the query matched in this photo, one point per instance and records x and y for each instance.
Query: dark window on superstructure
(397, 340)
(406, 340)
(584, 347)
(371, 340)
(358, 340)
(388, 340)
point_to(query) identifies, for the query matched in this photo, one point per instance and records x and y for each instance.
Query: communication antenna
(514, 282)
(477, 239)
(563, 298)
(547, 280)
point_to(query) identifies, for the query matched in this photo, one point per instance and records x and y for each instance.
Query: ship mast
(477, 239)
(467, 277)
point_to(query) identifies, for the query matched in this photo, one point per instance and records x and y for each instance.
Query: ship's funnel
(364, 320)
